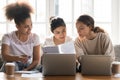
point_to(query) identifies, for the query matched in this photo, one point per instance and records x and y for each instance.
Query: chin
(81, 36)
(62, 38)
(28, 33)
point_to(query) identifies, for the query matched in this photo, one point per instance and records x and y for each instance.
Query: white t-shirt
(50, 42)
(18, 47)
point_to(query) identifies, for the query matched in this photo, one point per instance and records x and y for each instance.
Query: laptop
(96, 65)
(59, 64)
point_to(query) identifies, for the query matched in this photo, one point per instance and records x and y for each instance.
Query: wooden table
(78, 76)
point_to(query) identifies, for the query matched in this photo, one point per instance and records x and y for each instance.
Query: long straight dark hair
(89, 21)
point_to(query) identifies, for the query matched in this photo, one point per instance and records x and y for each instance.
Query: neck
(21, 37)
(57, 42)
(91, 36)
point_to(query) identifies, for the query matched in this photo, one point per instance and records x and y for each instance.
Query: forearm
(6, 55)
(109, 50)
(32, 65)
(36, 58)
(10, 58)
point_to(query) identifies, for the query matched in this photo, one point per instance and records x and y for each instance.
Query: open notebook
(68, 47)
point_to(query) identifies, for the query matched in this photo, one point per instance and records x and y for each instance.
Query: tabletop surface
(78, 76)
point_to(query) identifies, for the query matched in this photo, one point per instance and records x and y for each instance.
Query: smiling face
(82, 29)
(60, 33)
(25, 28)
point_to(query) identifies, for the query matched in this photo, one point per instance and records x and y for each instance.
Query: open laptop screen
(96, 65)
(59, 64)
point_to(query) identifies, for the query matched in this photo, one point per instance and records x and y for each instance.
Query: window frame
(50, 11)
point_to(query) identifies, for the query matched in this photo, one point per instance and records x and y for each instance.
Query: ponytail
(98, 29)
(89, 21)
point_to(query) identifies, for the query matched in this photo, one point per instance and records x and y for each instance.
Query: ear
(91, 28)
(17, 26)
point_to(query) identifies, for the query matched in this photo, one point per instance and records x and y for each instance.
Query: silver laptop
(59, 64)
(96, 65)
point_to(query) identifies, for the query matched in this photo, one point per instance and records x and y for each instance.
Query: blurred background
(106, 14)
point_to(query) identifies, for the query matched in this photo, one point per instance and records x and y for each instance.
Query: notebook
(96, 65)
(59, 64)
(50, 49)
(67, 47)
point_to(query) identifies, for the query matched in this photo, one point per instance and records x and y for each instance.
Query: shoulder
(34, 38)
(9, 35)
(34, 35)
(49, 39)
(6, 35)
(77, 40)
(103, 35)
(68, 38)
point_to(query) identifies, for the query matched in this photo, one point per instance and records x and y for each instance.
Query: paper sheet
(26, 72)
(67, 47)
(32, 75)
(117, 75)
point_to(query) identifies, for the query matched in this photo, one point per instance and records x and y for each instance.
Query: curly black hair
(56, 22)
(18, 11)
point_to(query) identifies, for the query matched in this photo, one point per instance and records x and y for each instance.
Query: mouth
(29, 32)
(62, 37)
(81, 35)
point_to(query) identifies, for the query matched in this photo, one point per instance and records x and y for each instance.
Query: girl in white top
(58, 28)
(21, 46)
(92, 40)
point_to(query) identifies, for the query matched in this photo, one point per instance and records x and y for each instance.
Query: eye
(81, 28)
(64, 30)
(26, 26)
(56, 32)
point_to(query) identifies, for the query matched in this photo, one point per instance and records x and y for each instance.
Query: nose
(62, 34)
(78, 31)
(30, 27)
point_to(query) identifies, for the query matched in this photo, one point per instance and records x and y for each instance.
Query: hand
(25, 70)
(24, 58)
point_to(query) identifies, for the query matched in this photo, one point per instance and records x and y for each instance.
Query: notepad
(26, 72)
(32, 75)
